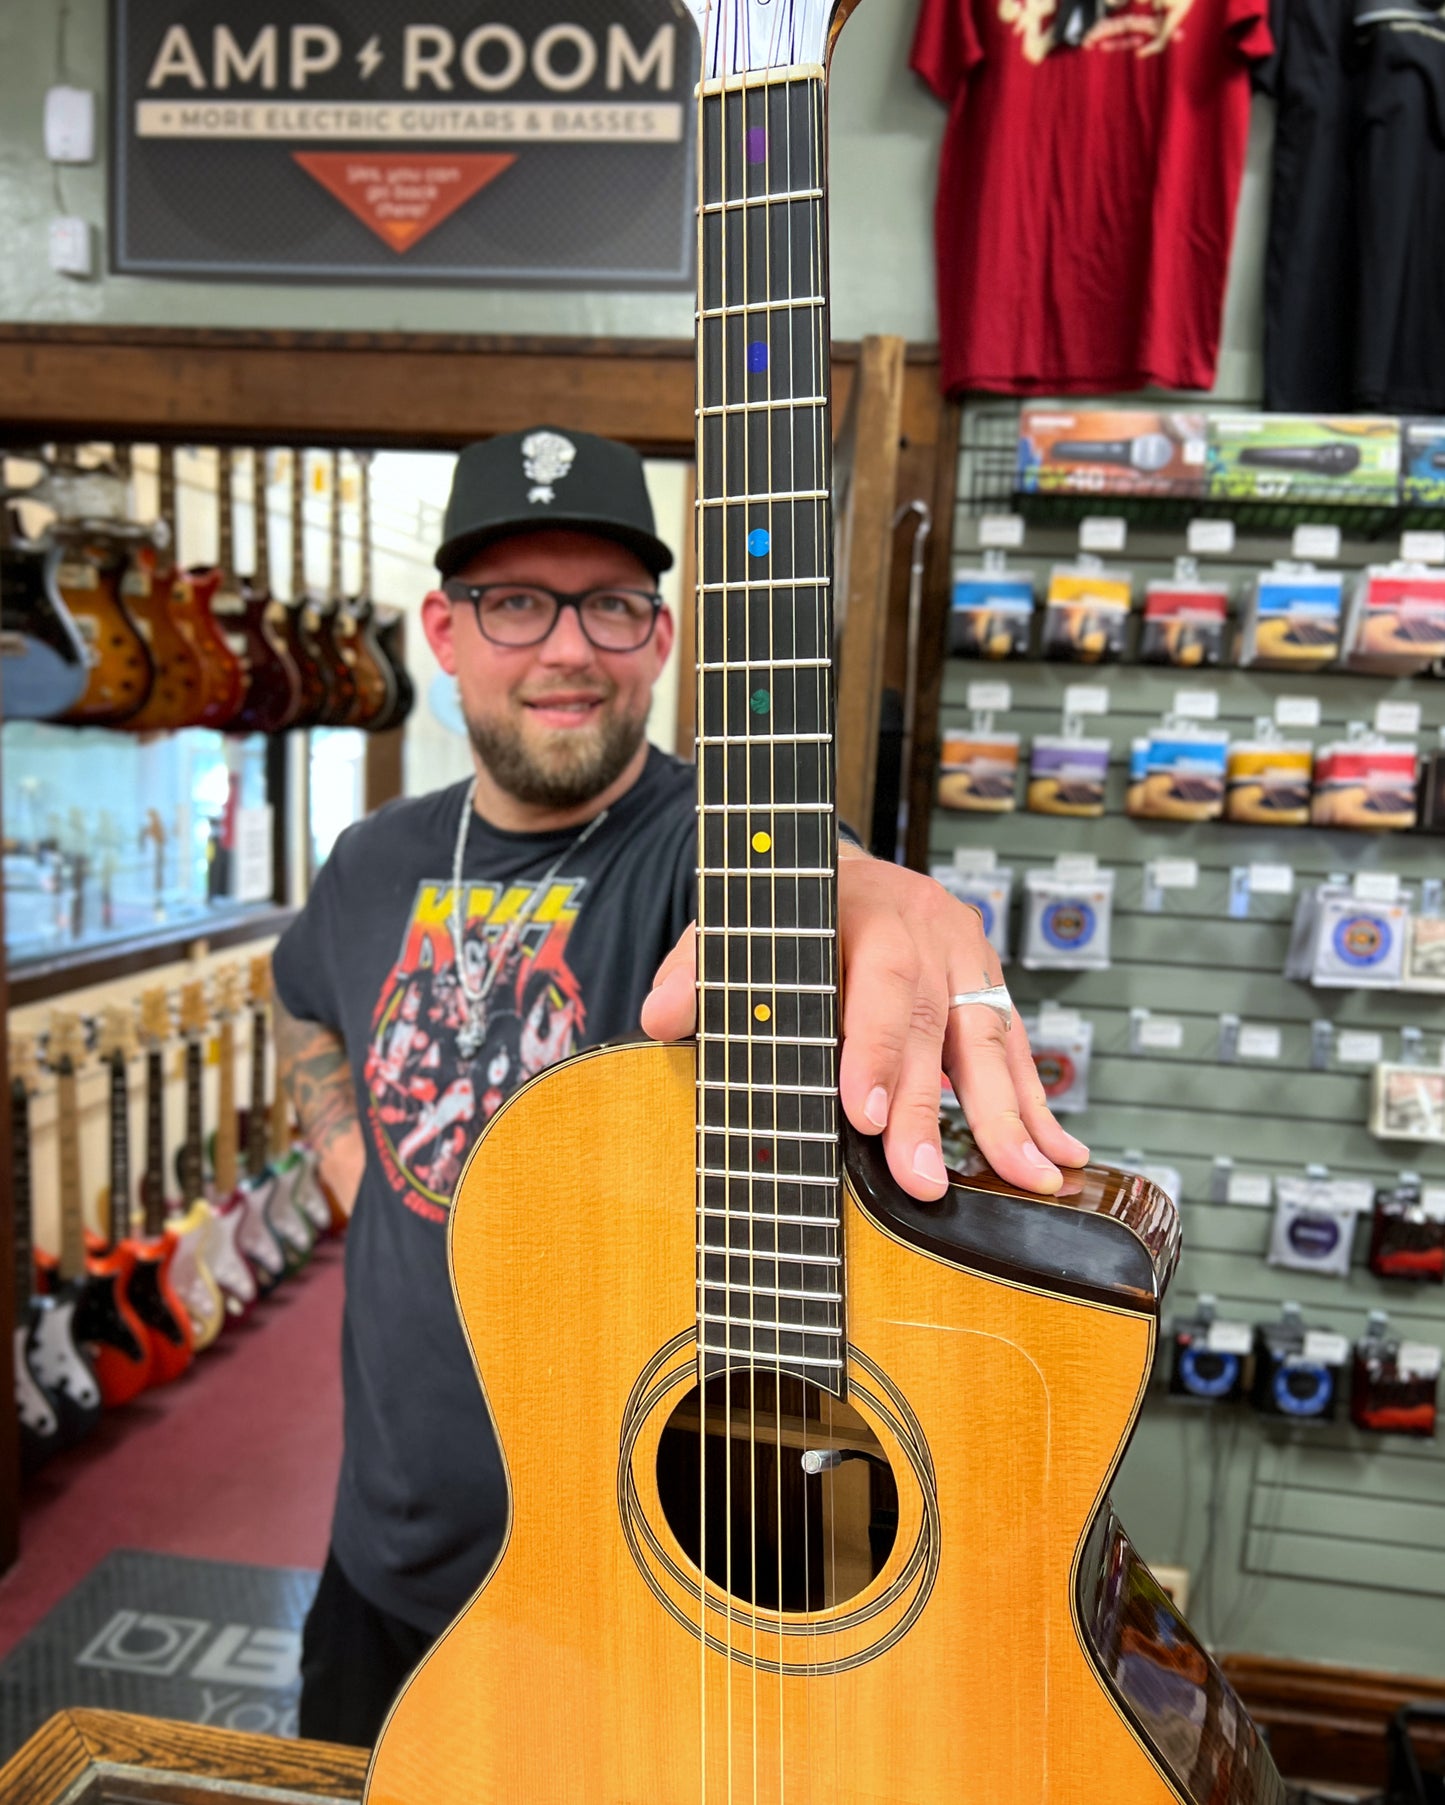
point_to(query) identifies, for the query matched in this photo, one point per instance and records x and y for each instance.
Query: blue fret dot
(758, 541)
(757, 357)
(759, 700)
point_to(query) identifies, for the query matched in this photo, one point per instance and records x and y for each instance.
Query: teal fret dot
(760, 701)
(758, 541)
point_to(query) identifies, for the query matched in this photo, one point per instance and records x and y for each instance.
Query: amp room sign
(547, 142)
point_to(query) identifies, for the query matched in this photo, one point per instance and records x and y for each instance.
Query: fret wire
(771, 406)
(741, 203)
(780, 1090)
(739, 501)
(824, 1331)
(778, 304)
(766, 808)
(772, 1178)
(773, 1216)
(775, 1355)
(765, 739)
(772, 933)
(780, 1134)
(760, 871)
(762, 666)
(772, 987)
(739, 584)
(789, 1291)
(762, 1042)
(784, 1259)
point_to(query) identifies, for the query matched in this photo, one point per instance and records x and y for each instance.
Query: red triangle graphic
(402, 196)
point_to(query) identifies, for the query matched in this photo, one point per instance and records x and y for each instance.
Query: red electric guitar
(223, 680)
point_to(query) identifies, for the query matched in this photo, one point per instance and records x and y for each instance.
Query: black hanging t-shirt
(421, 1501)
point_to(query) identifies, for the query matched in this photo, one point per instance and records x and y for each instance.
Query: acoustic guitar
(187, 1236)
(808, 1481)
(147, 1257)
(51, 1373)
(316, 616)
(223, 680)
(273, 1182)
(105, 1324)
(215, 1231)
(375, 689)
(273, 694)
(255, 1240)
(177, 692)
(43, 667)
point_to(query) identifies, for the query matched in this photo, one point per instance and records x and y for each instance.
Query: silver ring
(996, 997)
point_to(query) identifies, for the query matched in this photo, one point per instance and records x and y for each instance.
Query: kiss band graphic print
(425, 1103)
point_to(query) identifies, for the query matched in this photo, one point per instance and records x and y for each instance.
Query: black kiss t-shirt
(421, 1502)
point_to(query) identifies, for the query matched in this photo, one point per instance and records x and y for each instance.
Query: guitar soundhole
(777, 1537)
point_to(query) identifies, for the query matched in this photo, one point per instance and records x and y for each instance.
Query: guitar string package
(1396, 623)
(1212, 1360)
(1292, 619)
(1424, 954)
(1184, 623)
(990, 892)
(1357, 946)
(1185, 771)
(1067, 776)
(1407, 1103)
(1314, 1223)
(1066, 922)
(1394, 1385)
(1407, 1237)
(1268, 782)
(1086, 613)
(992, 613)
(1062, 1045)
(978, 772)
(1298, 1372)
(1363, 785)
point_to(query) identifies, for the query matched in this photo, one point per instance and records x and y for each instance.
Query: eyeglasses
(523, 614)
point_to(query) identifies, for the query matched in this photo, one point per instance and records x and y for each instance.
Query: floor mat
(208, 1642)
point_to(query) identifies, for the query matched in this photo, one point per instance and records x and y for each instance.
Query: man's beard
(581, 772)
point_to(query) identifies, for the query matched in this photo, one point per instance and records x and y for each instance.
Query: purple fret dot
(757, 356)
(757, 144)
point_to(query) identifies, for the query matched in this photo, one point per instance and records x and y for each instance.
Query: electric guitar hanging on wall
(807, 1480)
(272, 1184)
(216, 1231)
(254, 1236)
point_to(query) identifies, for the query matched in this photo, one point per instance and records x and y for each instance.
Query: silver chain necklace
(473, 1031)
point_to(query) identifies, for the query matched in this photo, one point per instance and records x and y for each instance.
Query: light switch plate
(70, 125)
(72, 250)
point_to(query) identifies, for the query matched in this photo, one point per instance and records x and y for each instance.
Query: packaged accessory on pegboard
(993, 610)
(978, 772)
(1184, 622)
(1407, 1231)
(1394, 1384)
(1396, 624)
(1067, 776)
(1425, 954)
(1299, 1372)
(1268, 782)
(1062, 1044)
(1086, 613)
(1292, 619)
(1067, 921)
(1358, 945)
(1211, 1360)
(1314, 1222)
(1365, 782)
(989, 891)
(1184, 774)
(1408, 1103)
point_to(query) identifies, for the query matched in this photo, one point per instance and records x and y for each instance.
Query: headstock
(155, 1015)
(228, 997)
(260, 981)
(739, 36)
(195, 1017)
(24, 1068)
(117, 1032)
(64, 1040)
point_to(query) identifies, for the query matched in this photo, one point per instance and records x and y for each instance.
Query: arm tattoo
(313, 1066)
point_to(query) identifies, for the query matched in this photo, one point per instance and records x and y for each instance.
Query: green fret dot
(760, 701)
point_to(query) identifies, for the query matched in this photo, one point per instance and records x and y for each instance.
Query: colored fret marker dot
(759, 701)
(757, 356)
(762, 1012)
(757, 144)
(758, 541)
(761, 842)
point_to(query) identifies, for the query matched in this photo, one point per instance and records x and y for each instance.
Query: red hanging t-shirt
(1086, 197)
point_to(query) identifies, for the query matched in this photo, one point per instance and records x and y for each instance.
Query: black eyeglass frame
(456, 591)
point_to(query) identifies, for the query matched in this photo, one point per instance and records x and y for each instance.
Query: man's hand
(907, 947)
(311, 1063)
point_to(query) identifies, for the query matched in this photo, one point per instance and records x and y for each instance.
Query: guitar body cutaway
(984, 1634)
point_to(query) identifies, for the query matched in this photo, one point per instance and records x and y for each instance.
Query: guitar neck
(154, 1183)
(226, 550)
(258, 1119)
(767, 892)
(365, 463)
(119, 1226)
(72, 1208)
(298, 524)
(262, 577)
(226, 1139)
(280, 1118)
(193, 1175)
(166, 512)
(336, 526)
(20, 1189)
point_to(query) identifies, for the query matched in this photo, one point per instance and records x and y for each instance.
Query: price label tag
(1377, 886)
(1351, 1196)
(1423, 548)
(1073, 866)
(1325, 1347)
(1271, 880)
(1001, 532)
(1297, 711)
(1397, 717)
(1316, 542)
(1103, 533)
(973, 861)
(1163, 1032)
(1056, 1023)
(1417, 1360)
(990, 698)
(1174, 874)
(1258, 1041)
(1197, 704)
(1215, 536)
(1255, 1189)
(1086, 698)
(1432, 1203)
(1358, 1046)
(1229, 1338)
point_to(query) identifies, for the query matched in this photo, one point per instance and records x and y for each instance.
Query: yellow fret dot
(761, 842)
(762, 1012)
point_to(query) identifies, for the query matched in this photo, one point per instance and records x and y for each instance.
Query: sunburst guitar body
(807, 1481)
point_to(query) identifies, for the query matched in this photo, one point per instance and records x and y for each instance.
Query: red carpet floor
(237, 1461)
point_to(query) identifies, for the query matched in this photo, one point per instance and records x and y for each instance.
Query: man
(455, 944)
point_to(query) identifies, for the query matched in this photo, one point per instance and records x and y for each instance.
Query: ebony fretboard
(770, 1273)
(20, 1188)
(153, 1183)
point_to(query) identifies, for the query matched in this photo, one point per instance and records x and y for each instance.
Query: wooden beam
(932, 628)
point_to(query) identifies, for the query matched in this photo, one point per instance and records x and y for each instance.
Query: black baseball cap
(520, 482)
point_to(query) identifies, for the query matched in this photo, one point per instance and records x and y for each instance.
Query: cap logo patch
(546, 458)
